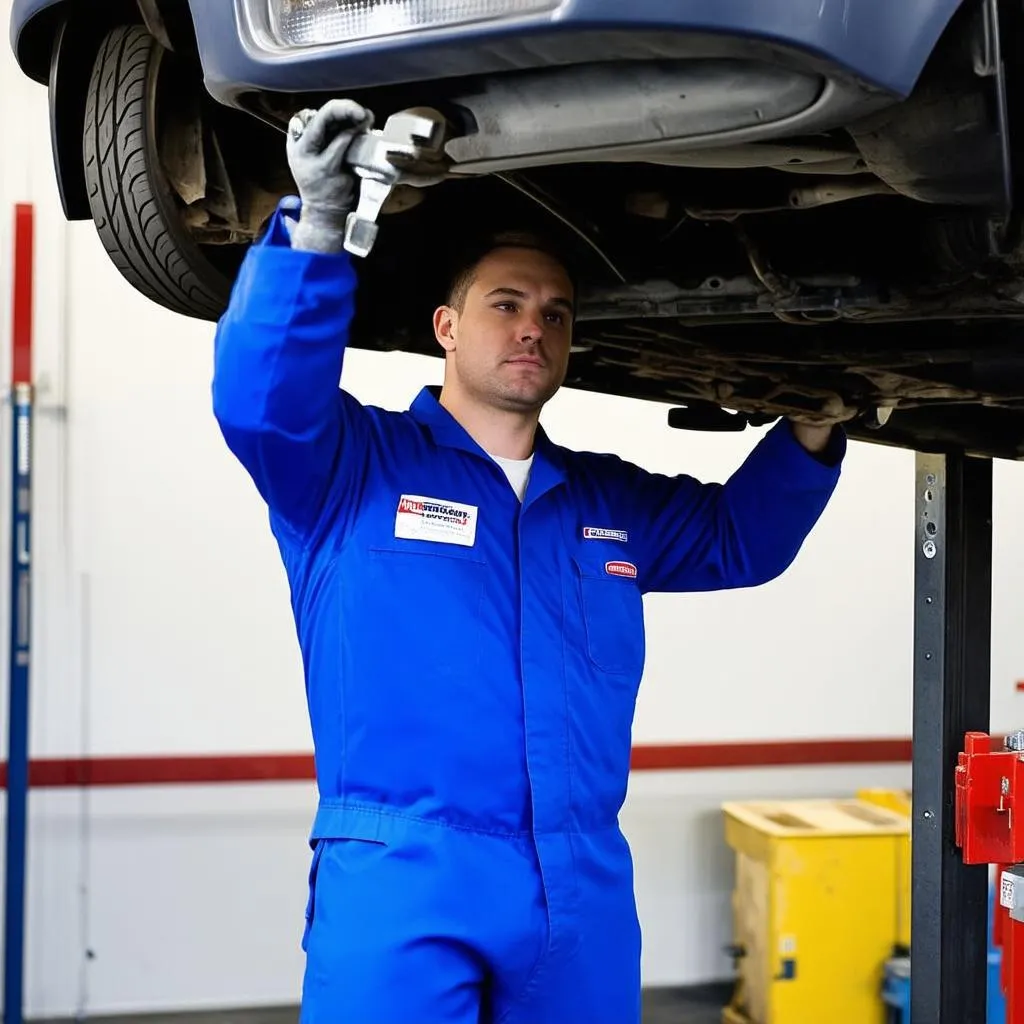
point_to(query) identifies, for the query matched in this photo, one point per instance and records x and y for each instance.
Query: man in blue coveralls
(467, 598)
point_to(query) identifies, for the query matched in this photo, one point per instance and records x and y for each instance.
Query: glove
(832, 412)
(316, 147)
(815, 430)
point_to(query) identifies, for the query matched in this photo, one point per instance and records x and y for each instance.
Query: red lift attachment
(989, 778)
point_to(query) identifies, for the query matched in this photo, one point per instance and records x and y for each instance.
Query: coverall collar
(548, 464)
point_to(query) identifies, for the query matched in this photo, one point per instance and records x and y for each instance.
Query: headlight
(314, 22)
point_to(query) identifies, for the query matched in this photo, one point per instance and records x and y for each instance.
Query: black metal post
(952, 650)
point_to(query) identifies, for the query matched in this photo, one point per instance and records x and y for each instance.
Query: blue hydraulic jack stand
(896, 983)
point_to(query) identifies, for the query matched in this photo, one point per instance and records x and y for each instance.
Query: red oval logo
(620, 569)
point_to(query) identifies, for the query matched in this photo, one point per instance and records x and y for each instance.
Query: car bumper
(877, 43)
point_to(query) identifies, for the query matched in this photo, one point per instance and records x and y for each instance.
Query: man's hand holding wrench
(333, 149)
(317, 144)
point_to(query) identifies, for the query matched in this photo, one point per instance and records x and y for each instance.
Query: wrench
(406, 151)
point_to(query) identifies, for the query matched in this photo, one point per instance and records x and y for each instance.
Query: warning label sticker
(1006, 887)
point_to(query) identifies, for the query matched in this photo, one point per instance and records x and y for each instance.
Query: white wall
(162, 626)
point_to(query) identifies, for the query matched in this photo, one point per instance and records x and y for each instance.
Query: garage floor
(661, 1006)
(685, 1006)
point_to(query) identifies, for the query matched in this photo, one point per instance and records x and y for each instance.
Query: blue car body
(882, 43)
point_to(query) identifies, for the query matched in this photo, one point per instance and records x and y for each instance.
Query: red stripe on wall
(60, 773)
(21, 310)
(64, 773)
(760, 754)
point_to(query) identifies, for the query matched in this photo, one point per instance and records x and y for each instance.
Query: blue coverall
(471, 665)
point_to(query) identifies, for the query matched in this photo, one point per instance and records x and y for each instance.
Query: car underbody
(812, 244)
(877, 265)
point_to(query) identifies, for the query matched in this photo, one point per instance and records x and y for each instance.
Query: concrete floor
(661, 1006)
(686, 1006)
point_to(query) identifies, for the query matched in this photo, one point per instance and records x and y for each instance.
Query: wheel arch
(59, 47)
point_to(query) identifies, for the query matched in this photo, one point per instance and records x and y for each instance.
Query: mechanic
(468, 603)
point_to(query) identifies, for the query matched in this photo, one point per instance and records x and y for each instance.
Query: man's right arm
(278, 358)
(280, 345)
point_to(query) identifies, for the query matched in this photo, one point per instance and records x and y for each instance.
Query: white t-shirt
(517, 471)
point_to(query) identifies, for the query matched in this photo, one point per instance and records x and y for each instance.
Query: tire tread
(128, 215)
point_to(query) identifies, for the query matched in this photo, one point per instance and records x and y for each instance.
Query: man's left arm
(693, 536)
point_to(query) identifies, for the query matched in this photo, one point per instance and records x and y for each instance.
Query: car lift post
(952, 658)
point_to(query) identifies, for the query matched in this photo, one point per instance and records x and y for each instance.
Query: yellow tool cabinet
(897, 800)
(817, 908)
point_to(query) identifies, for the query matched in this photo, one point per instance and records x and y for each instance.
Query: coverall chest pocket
(613, 619)
(423, 600)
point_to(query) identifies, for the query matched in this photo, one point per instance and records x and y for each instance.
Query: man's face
(508, 348)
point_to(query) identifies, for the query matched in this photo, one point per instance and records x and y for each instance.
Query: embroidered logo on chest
(600, 533)
(620, 569)
(433, 519)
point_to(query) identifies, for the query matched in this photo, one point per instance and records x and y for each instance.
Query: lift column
(952, 656)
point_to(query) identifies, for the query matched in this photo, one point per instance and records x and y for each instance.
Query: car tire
(136, 212)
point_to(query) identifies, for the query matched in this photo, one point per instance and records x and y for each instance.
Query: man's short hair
(470, 259)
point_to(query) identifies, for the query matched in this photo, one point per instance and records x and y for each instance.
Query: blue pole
(17, 743)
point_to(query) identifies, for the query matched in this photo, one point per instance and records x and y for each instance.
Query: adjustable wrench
(408, 150)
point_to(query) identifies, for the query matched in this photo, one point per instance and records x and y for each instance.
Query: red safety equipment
(989, 778)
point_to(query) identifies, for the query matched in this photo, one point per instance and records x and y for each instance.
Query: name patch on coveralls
(445, 522)
(600, 533)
